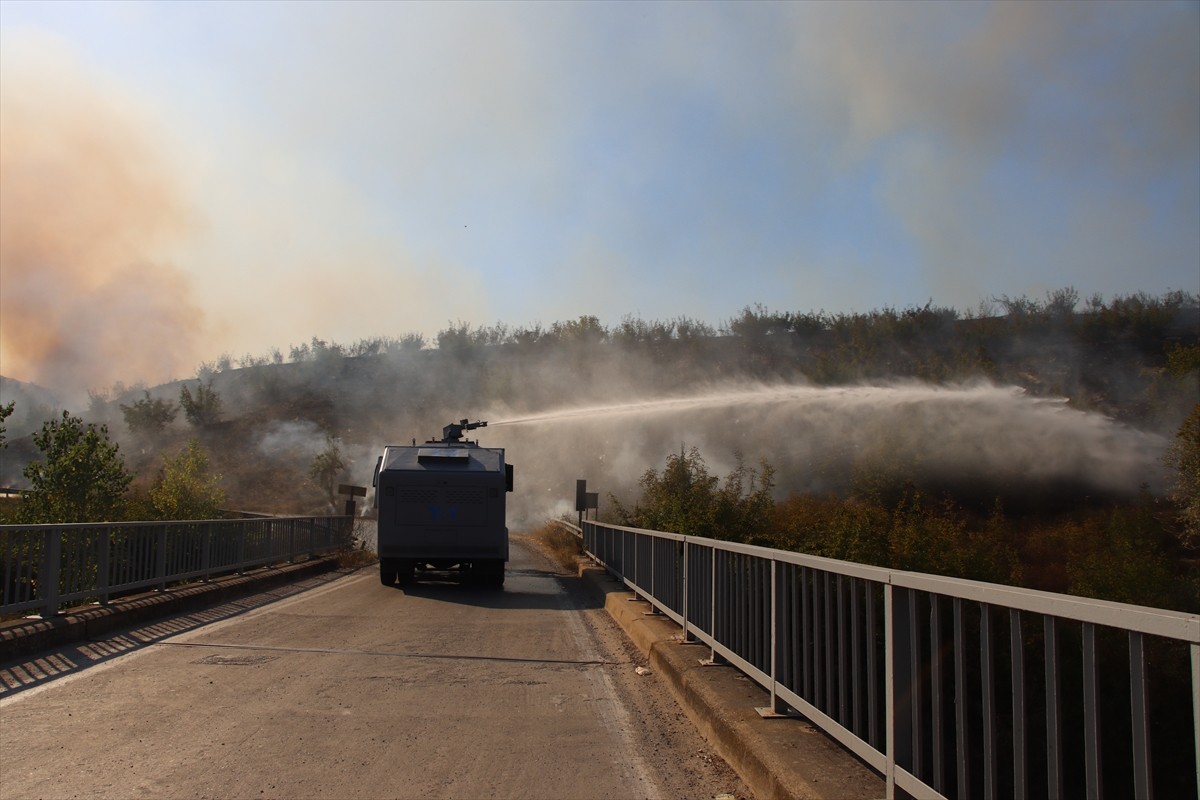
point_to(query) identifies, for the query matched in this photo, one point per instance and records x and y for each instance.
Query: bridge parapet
(947, 687)
(43, 567)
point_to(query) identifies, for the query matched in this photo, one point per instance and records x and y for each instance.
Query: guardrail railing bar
(916, 695)
(51, 552)
(712, 596)
(856, 721)
(1017, 658)
(1091, 718)
(746, 627)
(988, 688)
(1195, 653)
(889, 648)
(962, 733)
(1158, 622)
(806, 633)
(686, 588)
(774, 643)
(46, 566)
(828, 677)
(1054, 769)
(1137, 708)
(206, 552)
(160, 558)
(102, 568)
(935, 693)
(872, 668)
(841, 636)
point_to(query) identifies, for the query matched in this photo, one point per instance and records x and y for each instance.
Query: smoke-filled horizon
(183, 180)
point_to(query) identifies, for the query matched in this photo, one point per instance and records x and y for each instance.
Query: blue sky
(183, 179)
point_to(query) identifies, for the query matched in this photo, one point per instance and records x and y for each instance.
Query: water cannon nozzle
(454, 431)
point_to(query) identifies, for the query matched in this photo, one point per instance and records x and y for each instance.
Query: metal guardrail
(949, 688)
(43, 567)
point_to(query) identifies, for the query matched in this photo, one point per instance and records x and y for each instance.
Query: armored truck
(441, 507)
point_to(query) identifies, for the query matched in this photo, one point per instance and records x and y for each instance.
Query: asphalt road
(357, 690)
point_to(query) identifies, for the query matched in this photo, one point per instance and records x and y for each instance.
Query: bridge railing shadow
(22, 674)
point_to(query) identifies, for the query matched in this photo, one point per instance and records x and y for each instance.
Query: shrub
(203, 409)
(686, 499)
(187, 488)
(148, 417)
(82, 477)
(1183, 456)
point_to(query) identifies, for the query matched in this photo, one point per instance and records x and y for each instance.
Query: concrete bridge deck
(341, 687)
(356, 690)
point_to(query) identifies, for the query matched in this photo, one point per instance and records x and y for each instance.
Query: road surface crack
(387, 654)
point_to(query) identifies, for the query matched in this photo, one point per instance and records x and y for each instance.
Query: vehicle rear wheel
(387, 573)
(405, 572)
(491, 573)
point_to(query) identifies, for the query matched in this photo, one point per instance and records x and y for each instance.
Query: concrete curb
(25, 637)
(776, 758)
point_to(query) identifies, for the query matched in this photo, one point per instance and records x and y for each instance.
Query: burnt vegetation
(268, 424)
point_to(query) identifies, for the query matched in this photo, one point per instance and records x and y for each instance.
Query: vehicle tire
(387, 574)
(493, 574)
(405, 572)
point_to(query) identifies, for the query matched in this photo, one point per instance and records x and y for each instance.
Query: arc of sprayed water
(764, 395)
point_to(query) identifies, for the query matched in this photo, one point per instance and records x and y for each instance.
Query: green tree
(586, 330)
(327, 469)
(1183, 455)
(187, 488)
(149, 417)
(685, 498)
(203, 409)
(82, 477)
(5, 413)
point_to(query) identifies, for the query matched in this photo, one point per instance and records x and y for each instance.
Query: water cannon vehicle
(441, 506)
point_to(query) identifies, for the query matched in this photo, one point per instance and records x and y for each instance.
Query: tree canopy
(149, 416)
(81, 478)
(187, 488)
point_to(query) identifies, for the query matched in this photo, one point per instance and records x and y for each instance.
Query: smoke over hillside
(1041, 408)
(89, 206)
(1052, 424)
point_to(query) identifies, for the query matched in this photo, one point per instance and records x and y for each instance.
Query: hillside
(1119, 377)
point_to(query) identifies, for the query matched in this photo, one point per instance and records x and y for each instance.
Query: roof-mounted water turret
(454, 431)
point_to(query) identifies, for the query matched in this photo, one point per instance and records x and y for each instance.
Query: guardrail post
(1142, 784)
(241, 549)
(102, 567)
(687, 635)
(773, 709)
(1091, 714)
(292, 542)
(160, 557)
(653, 572)
(206, 552)
(49, 574)
(1195, 649)
(889, 684)
(714, 657)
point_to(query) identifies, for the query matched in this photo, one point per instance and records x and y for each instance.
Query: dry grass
(354, 557)
(355, 553)
(561, 545)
